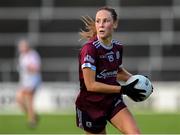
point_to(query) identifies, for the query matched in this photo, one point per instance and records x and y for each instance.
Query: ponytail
(90, 29)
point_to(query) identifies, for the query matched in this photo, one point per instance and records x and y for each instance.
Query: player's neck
(106, 41)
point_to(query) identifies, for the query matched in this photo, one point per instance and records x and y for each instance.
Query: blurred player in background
(100, 69)
(29, 64)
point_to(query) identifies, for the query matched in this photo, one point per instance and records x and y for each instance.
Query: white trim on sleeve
(89, 65)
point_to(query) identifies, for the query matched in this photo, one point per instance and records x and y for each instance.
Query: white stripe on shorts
(79, 114)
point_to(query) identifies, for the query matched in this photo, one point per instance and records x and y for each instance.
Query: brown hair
(90, 29)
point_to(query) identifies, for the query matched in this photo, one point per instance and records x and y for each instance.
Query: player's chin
(103, 36)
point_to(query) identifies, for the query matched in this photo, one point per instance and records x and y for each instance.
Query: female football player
(29, 65)
(100, 69)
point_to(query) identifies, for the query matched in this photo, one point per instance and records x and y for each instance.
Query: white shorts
(31, 83)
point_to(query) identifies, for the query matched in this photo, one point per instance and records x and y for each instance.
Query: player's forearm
(94, 86)
(103, 88)
(33, 68)
(123, 75)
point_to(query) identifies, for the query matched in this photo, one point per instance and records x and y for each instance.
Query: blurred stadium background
(150, 31)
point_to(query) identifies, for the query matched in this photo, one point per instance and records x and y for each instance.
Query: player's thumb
(134, 82)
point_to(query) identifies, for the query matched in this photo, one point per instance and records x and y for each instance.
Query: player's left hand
(134, 93)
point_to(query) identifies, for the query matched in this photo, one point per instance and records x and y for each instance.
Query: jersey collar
(105, 46)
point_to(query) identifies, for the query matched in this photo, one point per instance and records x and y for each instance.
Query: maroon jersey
(105, 61)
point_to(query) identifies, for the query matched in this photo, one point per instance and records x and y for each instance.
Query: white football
(144, 83)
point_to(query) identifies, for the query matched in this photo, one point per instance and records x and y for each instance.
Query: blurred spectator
(29, 64)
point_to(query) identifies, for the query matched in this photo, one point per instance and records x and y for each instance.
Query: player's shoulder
(92, 43)
(116, 42)
(33, 52)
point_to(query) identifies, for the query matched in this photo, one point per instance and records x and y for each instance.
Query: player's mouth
(101, 31)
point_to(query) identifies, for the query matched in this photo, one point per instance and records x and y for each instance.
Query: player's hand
(133, 93)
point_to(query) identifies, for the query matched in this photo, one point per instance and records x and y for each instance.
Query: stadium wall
(59, 98)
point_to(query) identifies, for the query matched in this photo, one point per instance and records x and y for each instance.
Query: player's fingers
(135, 82)
(142, 95)
(140, 98)
(140, 91)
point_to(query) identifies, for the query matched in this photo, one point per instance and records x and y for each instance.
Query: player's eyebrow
(107, 18)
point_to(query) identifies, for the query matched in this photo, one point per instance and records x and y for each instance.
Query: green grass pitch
(65, 124)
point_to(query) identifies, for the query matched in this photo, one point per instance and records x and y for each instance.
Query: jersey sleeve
(34, 59)
(88, 57)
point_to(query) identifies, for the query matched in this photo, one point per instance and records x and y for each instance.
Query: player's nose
(101, 25)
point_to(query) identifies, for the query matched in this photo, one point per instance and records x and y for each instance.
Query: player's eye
(97, 21)
(107, 20)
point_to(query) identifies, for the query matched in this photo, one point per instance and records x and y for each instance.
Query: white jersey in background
(28, 79)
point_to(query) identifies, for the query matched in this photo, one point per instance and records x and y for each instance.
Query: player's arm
(94, 86)
(123, 75)
(34, 64)
(33, 68)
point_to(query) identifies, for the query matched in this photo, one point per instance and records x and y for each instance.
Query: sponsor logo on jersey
(88, 58)
(105, 74)
(117, 55)
(109, 56)
(106, 55)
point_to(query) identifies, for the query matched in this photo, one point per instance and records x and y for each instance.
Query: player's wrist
(123, 89)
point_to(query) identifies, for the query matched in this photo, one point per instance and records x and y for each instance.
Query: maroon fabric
(86, 121)
(106, 62)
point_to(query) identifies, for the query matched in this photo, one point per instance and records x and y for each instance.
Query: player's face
(23, 47)
(104, 24)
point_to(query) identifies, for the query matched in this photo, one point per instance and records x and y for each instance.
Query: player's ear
(115, 25)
